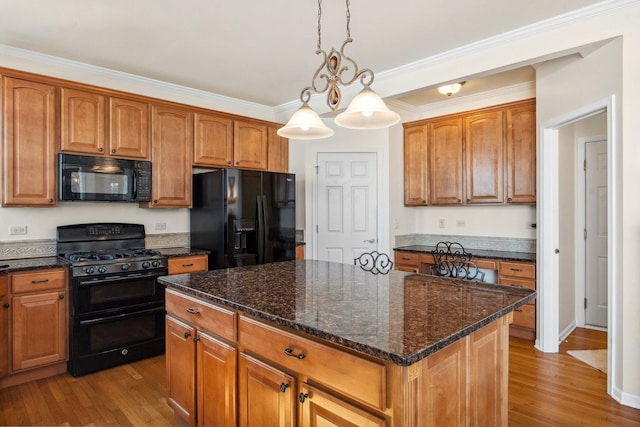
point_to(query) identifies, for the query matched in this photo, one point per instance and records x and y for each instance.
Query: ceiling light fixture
(451, 89)
(366, 111)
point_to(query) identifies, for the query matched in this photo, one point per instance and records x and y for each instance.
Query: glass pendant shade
(305, 124)
(367, 111)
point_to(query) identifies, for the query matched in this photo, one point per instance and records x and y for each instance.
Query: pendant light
(366, 111)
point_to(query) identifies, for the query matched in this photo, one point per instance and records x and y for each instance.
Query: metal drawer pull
(515, 269)
(193, 310)
(187, 334)
(187, 265)
(302, 397)
(519, 310)
(40, 281)
(289, 352)
(283, 387)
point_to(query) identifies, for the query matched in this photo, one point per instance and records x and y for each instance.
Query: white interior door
(596, 287)
(347, 206)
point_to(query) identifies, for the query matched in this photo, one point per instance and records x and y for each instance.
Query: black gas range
(116, 303)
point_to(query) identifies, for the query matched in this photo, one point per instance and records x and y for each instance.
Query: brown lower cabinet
(188, 264)
(224, 367)
(4, 325)
(36, 309)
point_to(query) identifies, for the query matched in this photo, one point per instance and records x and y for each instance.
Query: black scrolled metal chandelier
(366, 111)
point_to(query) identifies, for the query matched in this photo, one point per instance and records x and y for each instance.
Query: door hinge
(585, 234)
(317, 169)
(317, 229)
(585, 165)
(585, 303)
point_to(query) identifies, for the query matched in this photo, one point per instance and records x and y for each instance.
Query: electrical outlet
(18, 229)
(160, 226)
(441, 223)
(461, 223)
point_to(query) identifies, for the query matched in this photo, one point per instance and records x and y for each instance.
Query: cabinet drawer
(487, 264)
(525, 317)
(188, 264)
(427, 259)
(203, 315)
(518, 269)
(40, 280)
(522, 283)
(356, 377)
(407, 259)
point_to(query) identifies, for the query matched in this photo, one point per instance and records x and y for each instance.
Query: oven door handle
(108, 279)
(119, 316)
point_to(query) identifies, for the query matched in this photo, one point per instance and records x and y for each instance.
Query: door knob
(370, 241)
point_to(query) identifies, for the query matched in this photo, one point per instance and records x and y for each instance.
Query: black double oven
(117, 306)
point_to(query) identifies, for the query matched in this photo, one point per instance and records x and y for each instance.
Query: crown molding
(68, 69)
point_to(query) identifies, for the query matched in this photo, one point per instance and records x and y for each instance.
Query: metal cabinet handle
(50, 200)
(113, 151)
(61, 296)
(6, 305)
(284, 387)
(302, 397)
(187, 334)
(100, 150)
(187, 265)
(515, 269)
(289, 352)
(40, 281)
(193, 310)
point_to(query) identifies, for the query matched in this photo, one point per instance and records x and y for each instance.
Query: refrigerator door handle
(260, 230)
(267, 255)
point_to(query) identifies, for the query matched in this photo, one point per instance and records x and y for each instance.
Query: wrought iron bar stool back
(451, 260)
(375, 262)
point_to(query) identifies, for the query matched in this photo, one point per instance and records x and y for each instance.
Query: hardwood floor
(544, 390)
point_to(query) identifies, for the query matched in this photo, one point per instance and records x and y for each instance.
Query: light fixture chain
(319, 18)
(348, 20)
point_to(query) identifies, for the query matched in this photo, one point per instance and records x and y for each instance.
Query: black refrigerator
(243, 217)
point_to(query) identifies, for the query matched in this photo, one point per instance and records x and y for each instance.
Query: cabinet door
(29, 162)
(171, 149)
(521, 154)
(278, 152)
(445, 172)
(213, 141)
(484, 158)
(82, 121)
(488, 380)
(180, 359)
(318, 408)
(39, 323)
(266, 395)
(415, 165)
(129, 128)
(217, 363)
(4, 326)
(250, 145)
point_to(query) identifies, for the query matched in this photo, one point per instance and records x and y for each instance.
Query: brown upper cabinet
(521, 154)
(95, 124)
(278, 152)
(29, 140)
(213, 141)
(250, 145)
(416, 181)
(484, 156)
(171, 152)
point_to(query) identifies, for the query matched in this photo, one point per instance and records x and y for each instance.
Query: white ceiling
(262, 51)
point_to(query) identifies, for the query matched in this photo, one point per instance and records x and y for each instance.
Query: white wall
(567, 238)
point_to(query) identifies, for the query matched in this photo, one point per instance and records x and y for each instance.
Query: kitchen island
(309, 341)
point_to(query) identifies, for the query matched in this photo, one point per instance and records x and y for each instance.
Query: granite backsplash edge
(469, 242)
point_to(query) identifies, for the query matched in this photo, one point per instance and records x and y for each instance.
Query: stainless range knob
(125, 267)
(88, 270)
(155, 263)
(102, 269)
(146, 264)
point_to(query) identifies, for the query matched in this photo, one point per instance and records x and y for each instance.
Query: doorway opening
(550, 239)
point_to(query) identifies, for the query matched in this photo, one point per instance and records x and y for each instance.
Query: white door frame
(581, 248)
(547, 339)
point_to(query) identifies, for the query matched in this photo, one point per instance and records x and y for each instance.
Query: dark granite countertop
(400, 317)
(13, 265)
(178, 252)
(478, 253)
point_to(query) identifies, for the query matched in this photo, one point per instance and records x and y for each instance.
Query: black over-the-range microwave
(103, 179)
